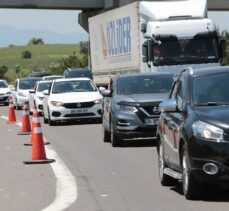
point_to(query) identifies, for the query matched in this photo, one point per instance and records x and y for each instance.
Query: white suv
(4, 92)
(21, 91)
(75, 98)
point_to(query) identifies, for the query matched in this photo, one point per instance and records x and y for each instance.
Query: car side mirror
(45, 92)
(101, 88)
(106, 93)
(32, 91)
(168, 106)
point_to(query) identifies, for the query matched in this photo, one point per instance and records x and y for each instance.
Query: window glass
(73, 86)
(144, 84)
(212, 88)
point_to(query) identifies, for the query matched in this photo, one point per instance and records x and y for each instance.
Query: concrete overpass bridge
(89, 7)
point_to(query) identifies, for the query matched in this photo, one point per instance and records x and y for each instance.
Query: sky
(58, 24)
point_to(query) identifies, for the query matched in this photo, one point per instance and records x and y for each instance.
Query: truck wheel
(106, 134)
(115, 140)
(191, 187)
(164, 179)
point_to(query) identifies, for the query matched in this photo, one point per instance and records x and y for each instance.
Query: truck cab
(179, 38)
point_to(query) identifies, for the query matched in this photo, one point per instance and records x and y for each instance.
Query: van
(78, 72)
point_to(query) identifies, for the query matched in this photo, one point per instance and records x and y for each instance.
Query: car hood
(143, 99)
(75, 97)
(4, 90)
(215, 115)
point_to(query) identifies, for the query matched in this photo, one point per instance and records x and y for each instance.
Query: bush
(26, 54)
(3, 70)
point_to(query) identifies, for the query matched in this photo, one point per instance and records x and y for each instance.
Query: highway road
(88, 175)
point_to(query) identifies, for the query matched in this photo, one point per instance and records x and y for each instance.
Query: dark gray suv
(130, 107)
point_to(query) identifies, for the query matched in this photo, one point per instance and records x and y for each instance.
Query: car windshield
(43, 86)
(211, 89)
(28, 84)
(186, 51)
(3, 84)
(52, 77)
(74, 86)
(144, 84)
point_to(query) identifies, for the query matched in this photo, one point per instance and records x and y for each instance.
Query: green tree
(36, 41)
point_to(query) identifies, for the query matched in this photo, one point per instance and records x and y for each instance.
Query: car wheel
(106, 134)
(164, 179)
(45, 120)
(191, 187)
(51, 122)
(115, 140)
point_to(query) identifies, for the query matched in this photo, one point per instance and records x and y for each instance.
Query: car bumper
(206, 152)
(61, 113)
(129, 125)
(4, 99)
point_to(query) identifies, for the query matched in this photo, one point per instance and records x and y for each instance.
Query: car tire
(191, 187)
(115, 140)
(45, 120)
(165, 180)
(51, 122)
(106, 134)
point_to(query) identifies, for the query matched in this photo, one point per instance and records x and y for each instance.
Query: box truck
(153, 36)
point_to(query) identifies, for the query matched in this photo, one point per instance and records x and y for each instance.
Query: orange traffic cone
(11, 112)
(35, 119)
(38, 148)
(25, 128)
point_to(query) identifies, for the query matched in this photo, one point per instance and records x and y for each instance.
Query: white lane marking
(66, 186)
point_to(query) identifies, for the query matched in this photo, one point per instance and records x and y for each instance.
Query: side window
(179, 96)
(174, 91)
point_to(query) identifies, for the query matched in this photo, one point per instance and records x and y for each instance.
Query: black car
(77, 72)
(193, 131)
(131, 106)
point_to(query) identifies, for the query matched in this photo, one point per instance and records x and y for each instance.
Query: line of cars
(58, 99)
(189, 117)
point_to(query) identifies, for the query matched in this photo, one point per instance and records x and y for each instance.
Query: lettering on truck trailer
(116, 42)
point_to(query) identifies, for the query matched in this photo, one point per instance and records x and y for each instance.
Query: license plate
(151, 121)
(79, 111)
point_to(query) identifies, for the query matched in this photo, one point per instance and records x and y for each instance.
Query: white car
(4, 92)
(52, 77)
(36, 96)
(21, 91)
(74, 98)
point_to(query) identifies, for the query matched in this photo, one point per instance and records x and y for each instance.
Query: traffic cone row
(36, 139)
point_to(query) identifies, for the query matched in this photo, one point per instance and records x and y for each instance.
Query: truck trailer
(153, 36)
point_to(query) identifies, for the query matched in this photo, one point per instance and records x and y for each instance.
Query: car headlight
(56, 103)
(127, 108)
(98, 101)
(207, 131)
(21, 94)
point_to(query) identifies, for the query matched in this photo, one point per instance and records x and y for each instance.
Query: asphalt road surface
(95, 176)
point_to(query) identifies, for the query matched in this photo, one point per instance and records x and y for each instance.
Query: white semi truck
(153, 36)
